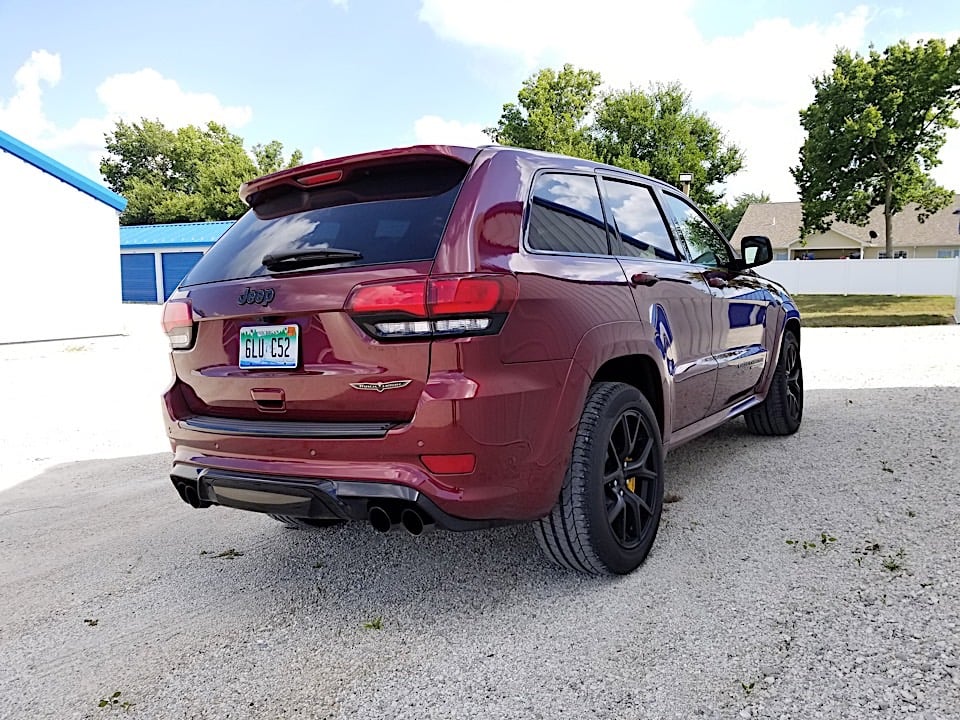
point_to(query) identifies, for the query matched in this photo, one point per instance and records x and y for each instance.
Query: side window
(706, 245)
(642, 228)
(566, 215)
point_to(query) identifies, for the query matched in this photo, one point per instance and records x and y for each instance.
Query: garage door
(138, 277)
(175, 266)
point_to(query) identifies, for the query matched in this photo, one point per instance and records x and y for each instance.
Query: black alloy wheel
(607, 515)
(794, 375)
(782, 410)
(630, 480)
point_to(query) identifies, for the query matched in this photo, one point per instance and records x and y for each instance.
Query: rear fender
(598, 346)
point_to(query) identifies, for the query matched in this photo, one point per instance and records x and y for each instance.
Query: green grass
(874, 310)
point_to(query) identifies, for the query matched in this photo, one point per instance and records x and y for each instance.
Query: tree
(874, 132)
(551, 113)
(269, 157)
(659, 134)
(183, 175)
(655, 132)
(727, 217)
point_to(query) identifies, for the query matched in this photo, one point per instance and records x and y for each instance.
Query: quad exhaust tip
(412, 520)
(188, 493)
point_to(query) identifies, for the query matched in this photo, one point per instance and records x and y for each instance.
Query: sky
(335, 77)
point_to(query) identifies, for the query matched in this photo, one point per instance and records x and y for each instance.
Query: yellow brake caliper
(631, 482)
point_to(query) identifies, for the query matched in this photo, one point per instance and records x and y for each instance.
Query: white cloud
(771, 138)
(316, 155)
(949, 36)
(22, 115)
(550, 31)
(435, 130)
(753, 84)
(345, 4)
(125, 96)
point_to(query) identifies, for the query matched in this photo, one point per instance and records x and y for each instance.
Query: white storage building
(59, 233)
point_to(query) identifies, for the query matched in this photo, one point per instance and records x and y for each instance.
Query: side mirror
(754, 250)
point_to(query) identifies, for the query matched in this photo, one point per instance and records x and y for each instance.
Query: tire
(606, 519)
(782, 411)
(295, 523)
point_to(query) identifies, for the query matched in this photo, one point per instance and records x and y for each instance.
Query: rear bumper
(308, 498)
(517, 421)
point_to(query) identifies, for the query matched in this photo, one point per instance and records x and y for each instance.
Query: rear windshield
(387, 214)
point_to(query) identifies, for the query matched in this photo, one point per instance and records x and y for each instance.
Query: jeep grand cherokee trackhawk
(463, 338)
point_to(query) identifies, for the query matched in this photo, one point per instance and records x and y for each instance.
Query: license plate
(269, 346)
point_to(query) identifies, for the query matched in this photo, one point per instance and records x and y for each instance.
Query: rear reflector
(449, 464)
(178, 323)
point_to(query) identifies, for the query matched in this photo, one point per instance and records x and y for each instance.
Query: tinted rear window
(566, 215)
(388, 214)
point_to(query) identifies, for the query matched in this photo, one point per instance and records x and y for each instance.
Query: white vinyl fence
(869, 277)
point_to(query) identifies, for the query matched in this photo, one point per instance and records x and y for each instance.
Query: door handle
(642, 278)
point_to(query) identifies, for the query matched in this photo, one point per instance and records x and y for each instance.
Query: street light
(685, 179)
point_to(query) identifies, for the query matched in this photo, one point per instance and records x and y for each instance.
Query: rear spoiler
(330, 172)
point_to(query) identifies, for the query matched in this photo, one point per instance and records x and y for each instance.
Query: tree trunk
(888, 217)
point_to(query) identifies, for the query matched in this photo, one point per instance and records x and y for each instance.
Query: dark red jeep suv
(468, 337)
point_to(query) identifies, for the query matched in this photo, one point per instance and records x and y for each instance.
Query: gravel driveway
(111, 584)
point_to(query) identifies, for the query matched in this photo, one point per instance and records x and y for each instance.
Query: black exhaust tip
(188, 493)
(380, 519)
(414, 522)
(192, 497)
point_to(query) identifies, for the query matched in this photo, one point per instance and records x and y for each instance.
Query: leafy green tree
(659, 134)
(183, 175)
(655, 132)
(552, 113)
(727, 217)
(874, 131)
(269, 157)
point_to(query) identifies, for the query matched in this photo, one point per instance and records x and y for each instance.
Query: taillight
(433, 307)
(178, 323)
(405, 298)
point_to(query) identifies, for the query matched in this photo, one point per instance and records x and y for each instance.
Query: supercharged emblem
(256, 297)
(381, 386)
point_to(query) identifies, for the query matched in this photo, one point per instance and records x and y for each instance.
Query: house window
(948, 253)
(781, 255)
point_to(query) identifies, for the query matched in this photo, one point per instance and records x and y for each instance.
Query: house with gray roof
(937, 237)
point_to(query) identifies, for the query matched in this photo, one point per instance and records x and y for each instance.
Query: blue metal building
(155, 258)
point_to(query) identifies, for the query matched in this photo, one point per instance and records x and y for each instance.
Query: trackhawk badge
(381, 386)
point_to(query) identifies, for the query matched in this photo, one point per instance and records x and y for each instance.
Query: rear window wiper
(297, 259)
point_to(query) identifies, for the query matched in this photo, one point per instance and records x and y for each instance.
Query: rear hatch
(271, 338)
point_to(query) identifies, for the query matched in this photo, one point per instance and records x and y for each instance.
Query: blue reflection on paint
(663, 335)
